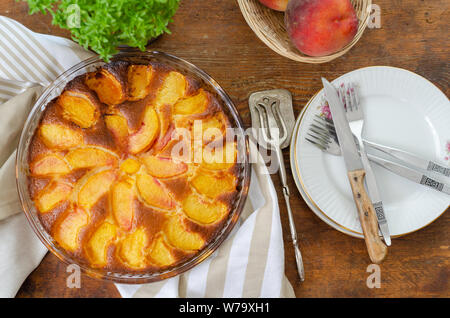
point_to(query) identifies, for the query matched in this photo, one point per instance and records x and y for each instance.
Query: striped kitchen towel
(250, 263)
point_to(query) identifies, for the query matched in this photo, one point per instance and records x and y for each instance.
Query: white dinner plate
(402, 110)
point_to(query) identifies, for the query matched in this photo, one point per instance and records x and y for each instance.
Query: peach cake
(103, 178)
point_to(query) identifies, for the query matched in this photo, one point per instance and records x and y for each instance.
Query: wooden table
(213, 35)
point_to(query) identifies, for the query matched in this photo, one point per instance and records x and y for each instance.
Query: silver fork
(321, 135)
(355, 117)
(271, 124)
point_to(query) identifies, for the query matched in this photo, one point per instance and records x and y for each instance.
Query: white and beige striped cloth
(250, 263)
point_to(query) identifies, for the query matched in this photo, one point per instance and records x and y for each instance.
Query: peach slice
(164, 139)
(78, 108)
(160, 252)
(179, 147)
(90, 158)
(201, 211)
(52, 195)
(161, 167)
(213, 128)
(219, 158)
(97, 246)
(122, 201)
(60, 137)
(95, 187)
(144, 137)
(192, 105)
(172, 89)
(130, 166)
(153, 192)
(118, 126)
(165, 115)
(139, 79)
(108, 88)
(132, 248)
(67, 229)
(179, 236)
(213, 185)
(51, 164)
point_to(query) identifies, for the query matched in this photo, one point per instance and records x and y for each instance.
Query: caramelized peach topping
(132, 249)
(139, 80)
(172, 89)
(109, 89)
(95, 187)
(120, 187)
(47, 165)
(146, 134)
(68, 228)
(161, 167)
(202, 211)
(78, 108)
(192, 105)
(179, 236)
(153, 192)
(122, 203)
(97, 246)
(57, 136)
(90, 158)
(52, 195)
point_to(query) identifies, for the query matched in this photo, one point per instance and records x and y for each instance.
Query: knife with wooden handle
(355, 171)
(367, 216)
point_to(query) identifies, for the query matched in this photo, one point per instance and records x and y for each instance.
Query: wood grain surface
(213, 35)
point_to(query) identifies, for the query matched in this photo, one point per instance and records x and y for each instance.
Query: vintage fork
(274, 133)
(355, 117)
(321, 135)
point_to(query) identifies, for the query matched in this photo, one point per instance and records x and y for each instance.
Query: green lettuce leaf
(103, 25)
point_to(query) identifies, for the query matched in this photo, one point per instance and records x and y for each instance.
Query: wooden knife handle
(367, 216)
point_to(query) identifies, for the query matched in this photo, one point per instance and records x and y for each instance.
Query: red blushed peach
(320, 27)
(122, 198)
(279, 5)
(153, 192)
(161, 167)
(143, 138)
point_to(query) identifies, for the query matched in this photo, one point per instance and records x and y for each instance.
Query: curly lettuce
(103, 25)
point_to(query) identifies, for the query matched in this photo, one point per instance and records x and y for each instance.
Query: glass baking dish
(55, 89)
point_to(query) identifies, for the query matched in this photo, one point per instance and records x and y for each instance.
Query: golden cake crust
(105, 178)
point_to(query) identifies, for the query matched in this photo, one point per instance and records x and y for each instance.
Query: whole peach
(279, 5)
(320, 27)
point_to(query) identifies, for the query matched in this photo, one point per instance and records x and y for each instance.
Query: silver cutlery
(355, 117)
(355, 171)
(322, 135)
(274, 133)
(411, 159)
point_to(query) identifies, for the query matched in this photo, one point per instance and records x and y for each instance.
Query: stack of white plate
(402, 110)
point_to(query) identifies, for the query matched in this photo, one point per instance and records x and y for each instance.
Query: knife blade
(376, 248)
(411, 174)
(411, 159)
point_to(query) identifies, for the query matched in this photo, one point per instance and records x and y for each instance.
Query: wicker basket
(269, 26)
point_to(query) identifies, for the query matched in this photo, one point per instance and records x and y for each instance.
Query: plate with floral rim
(402, 110)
